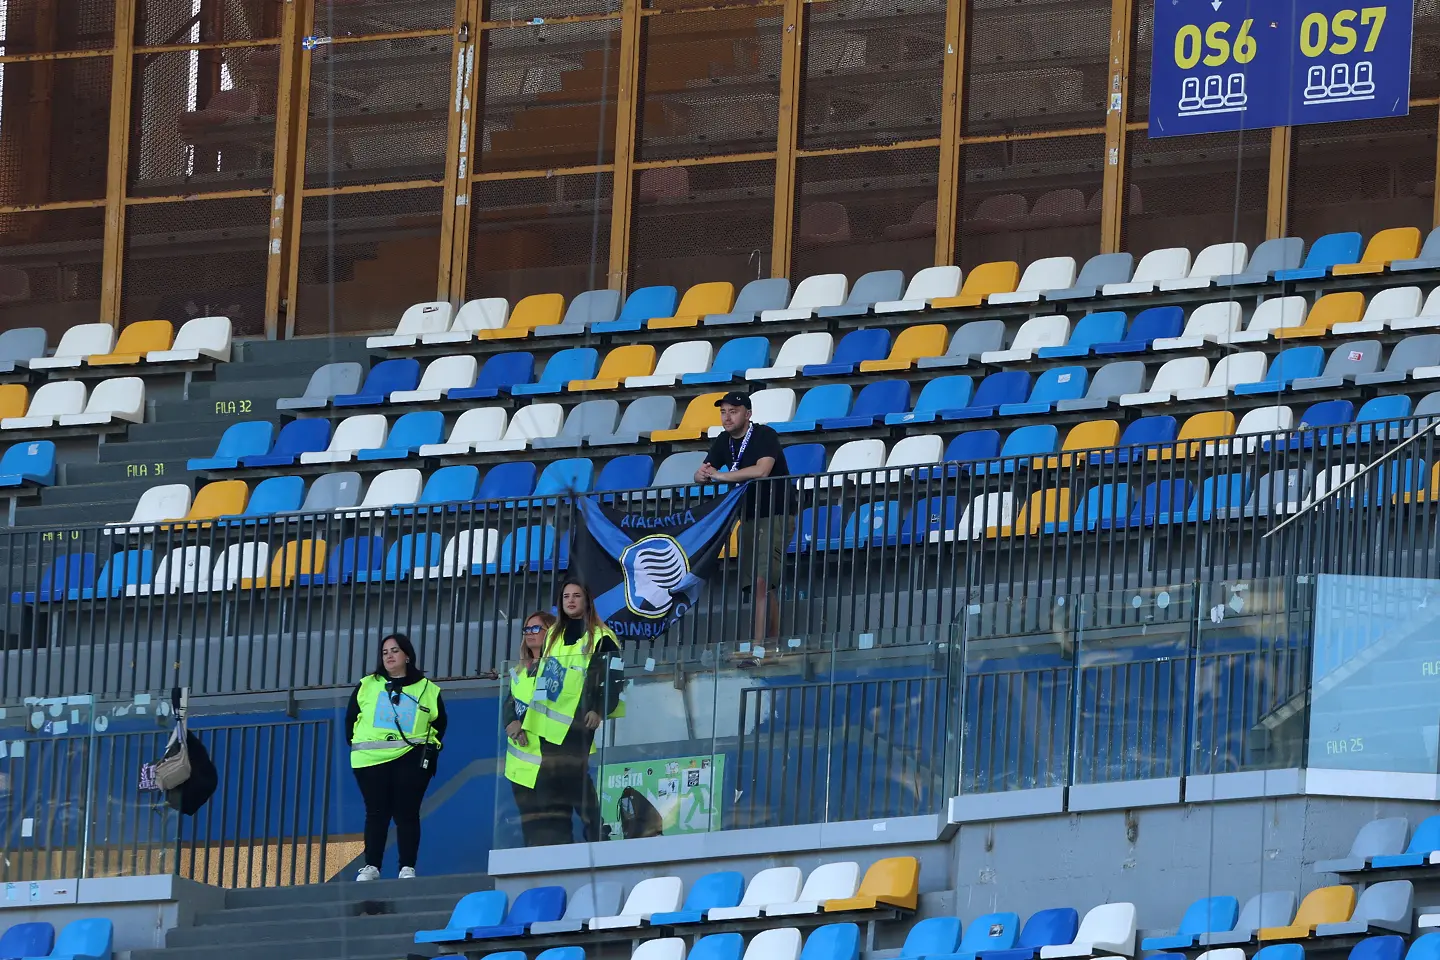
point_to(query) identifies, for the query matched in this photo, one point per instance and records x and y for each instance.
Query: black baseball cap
(735, 399)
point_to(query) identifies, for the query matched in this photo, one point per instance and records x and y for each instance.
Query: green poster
(661, 797)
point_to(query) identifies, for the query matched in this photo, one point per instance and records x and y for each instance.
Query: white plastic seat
(461, 552)
(772, 405)
(476, 425)
(417, 320)
(390, 489)
(1328, 481)
(1108, 928)
(799, 351)
(665, 948)
(199, 337)
(1171, 263)
(441, 376)
(1216, 260)
(917, 451)
(1047, 273)
(688, 356)
(1230, 370)
(1273, 314)
(186, 570)
(119, 398)
(650, 896)
(770, 887)
(364, 431)
(1209, 323)
(774, 944)
(240, 561)
(536, 420)
(982, 513)
(829, 881)
(50, 402)
(77, 343)
(1263, 420)
(170, 501)
(1429, 315)
(849, 457)
(929, 284)
(1182, 373)
(489, 313)
(1383, 310)
(1037, 332)
(812, 293)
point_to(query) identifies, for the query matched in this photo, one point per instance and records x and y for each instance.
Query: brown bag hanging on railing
(173, 769)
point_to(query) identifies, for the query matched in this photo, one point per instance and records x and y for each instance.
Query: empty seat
(53, 400)
(757, 296)
(483, 909)
(641, 418)
(911, 345)
(385, 378)
(560, 477)
(1149, 325)
(833, 941)
(874, 402)
(1174, 377)
(208, 337)
(1345, 363)
(67, 573)
(850, 457)
(33, 939)
(827, 401)
(1208, 323)
(829, 881)
(500, 374)
(464, 552)
(274, 495)
(224, 498)
(892, 882)
(1263, 423)
(1037, 332)
(1326, 312)
(529, 423)
(585, 419)
(775, 405)
(967, 345)
(1388, 905)
(488, 313)
(1110, 383)
(700, 415)
(442, 375)
(80, 341)
(1171, 263)
(1040, 277)
(690, 356)
(1273, 908)
(732, 360)
(19, 346)
(1325, 905)
(1108, 928)
(543, 310)
(184, 570)
(799, 351)
(1052, 386)
(1231, 371)
(28, 464)
(1272, 256)
(453, 484)
(1216, 260)
(1386, 307)
(1020, 445)
(1088, 436)
(701, 300)
(1146, 438)
(869, 289)
(772, 887)
(407, 435)
(631, 472)
(120, 398)
(1052, 927)
(417, 320)
(248, 439)
(590, 900)
(812, 293)
(92, 938)
(643, 304)
(990, 511)
(621, 363)
(774, 944)
(1395, 243)
(649, 896)
(982, 282)
(241, 566)
(1325, 252)
(1277, 313)
(393, 488)
(854, 348)
(1429, 315)
(535, 905)
(933, 936)
(1289, 365)
(1104, 327)
(942, 393)
(136, 340)
(1423, 843)
(1099, 270)
(678, 468)
(353, 434)
(329, 381)
(477, 425)
(564, 366)
(514, 479)
(1428, 259)
(996, 390)
(1384, 836)
(929, 284)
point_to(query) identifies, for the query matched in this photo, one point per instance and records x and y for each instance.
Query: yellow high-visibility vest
(522, 763)
(560, 683)
(377, 737)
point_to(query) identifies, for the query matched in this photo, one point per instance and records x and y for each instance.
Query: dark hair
(547, 623)
(406, 647)
(591, 618)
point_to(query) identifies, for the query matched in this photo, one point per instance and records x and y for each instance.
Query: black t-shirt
(765, 496)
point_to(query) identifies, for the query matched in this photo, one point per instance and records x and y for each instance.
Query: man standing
(752, 451)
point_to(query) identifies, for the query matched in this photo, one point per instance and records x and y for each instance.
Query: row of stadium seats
(64, 403)
(90, 937)
(146, 342)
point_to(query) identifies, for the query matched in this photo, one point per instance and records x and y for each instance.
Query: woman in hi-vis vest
(572, 687)
(395, 721)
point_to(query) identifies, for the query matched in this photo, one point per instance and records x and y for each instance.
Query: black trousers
(393, 791)
(563, 787)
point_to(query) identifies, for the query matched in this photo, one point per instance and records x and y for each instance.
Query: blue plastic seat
(1206, 915)
(532, 545)
(557, 953)
(501, 373)
(1385, 414)
(1391, 947)
(1045, 928)
(719, 889)
(359, 560)
(1104, 506)
(961, 453)
(124, 569)
(536, 905)
(1020, 446)
(990, 931)
(274, 495)
(571, 475)
(1161, 502)
(872, 523)
(826, 402)
(32, 939)
(28, 462)
(942, 393)
(1143, 436)
(841, 941)
(1218, 496)
(1324, 253)
(732, 360)
(72, 571)
(876, 402)
(576, 363)
(483, 909)
(1054, 385)
(644, 304)
(1008, 386)
(411, 551)
(631, 472)
(854, 348)
(933, 936)
(92, 937)
(295, 438)
(251, 438)
(1103, 327)
(1326, 413)
(928, 515)
(1289, 365)
(718, 946)
(805, 459)
(409, 433)
(812, 528)
(1151, 324)
(453, 484)
(1425, 841)
(1280, 951)
(384, 378)
(513, 479)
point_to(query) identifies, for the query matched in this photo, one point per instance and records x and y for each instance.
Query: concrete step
(348, 891)
(208, 428)
(160, 471)
(114, 491)
(336, 928)
(68, 516)
(262, 393)
(303, 349)
(388, 947)
(332, 910)
(157, 451)
(224, 412)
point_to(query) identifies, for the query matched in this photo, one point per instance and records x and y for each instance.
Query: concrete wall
(141, 908)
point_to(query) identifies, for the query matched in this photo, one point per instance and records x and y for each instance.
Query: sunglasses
(535, 629)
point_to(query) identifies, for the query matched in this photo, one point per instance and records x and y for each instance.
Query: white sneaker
(367, 873)
(407, 873)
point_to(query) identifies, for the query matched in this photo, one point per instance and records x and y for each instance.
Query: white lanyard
(734, 455)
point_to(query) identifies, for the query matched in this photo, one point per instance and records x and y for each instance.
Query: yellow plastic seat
(892, 882)
(1397, 243)
(224, 498)
(912, 344)
(632, 360)
(1044, 506)
(700, 416)
(1201, 426)
(1325, 905)
(731, 549)
(998, 276)
(1090, 435)
(303, 558)
(699, 301)
(1432, 492)
(135, 341)
(1329, 310)
(14, 398)
(536, 310)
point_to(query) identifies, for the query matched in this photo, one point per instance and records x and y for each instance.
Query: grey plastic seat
(640, 419)
(971, 340)
(1346, 362)
(769, 293)
(592, 306)
(591, 900)
(1278, 491)
(1422, 350)
(1111, 382)
(1429, 258)
(585, 419)
(1388, 906)
(325, 383)
(872, 288)
(18, 347)
(1099, 270)
(1281, 253)
(332, 491)
(676, 470)
(1378, 838)
(1273, 908)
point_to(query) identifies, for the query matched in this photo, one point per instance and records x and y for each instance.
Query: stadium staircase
(325, 921)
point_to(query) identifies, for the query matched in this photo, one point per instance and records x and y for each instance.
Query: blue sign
(1245, 64)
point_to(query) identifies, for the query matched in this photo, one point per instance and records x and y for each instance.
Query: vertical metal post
(627, 96)
(467, 105)
(457, 147)
(792, 67)
(286, 125)
(117, 168)
(952, 100)
(1277, 205)
(1117, 105)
